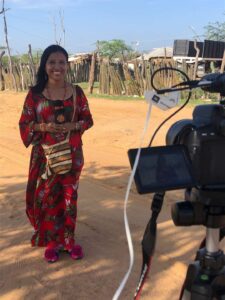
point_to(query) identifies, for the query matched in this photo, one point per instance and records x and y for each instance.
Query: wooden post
(2, 81)
(92, 73)
(21, 75)
(143, 72)
(8, 48)
(223, 63)
(33, 70)
(196, 60)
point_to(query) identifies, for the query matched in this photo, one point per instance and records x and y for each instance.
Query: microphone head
(216, 83)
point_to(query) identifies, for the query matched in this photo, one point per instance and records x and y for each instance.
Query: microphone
(214, 83)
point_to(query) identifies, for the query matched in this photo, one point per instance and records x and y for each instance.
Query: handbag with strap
(59, 155)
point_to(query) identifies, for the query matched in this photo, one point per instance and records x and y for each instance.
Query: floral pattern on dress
(51, 204)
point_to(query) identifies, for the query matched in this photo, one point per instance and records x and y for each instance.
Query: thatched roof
(159, 52)
(78, 57)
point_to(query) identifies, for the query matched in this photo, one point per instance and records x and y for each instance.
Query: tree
(113, 48)
(215, 31)
(63, 33)
(7, 45)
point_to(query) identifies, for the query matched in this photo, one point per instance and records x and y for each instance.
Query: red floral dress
(51, 204)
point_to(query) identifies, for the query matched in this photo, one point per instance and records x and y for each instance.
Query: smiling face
(56, 67)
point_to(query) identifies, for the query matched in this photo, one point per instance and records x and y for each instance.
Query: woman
(47, 117)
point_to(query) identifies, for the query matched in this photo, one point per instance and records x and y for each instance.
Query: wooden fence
(114, 78)
(134, 78)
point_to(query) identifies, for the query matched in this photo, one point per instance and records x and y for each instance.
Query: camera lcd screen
(162, 168)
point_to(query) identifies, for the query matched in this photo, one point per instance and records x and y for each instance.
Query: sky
(142, 24)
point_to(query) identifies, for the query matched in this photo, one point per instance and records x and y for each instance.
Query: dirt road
(100, 229)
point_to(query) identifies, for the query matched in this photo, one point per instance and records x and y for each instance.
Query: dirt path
(100, 229)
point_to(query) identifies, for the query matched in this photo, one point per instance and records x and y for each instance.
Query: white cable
(127, 229)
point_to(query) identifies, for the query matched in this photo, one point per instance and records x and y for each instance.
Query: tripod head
(201, 207)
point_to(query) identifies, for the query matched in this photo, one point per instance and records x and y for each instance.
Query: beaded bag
(59, 155)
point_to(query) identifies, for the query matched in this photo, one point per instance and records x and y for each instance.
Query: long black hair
(42, 76)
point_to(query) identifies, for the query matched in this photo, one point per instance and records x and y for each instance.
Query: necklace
(58, 107)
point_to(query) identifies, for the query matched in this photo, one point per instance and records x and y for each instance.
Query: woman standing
(53, 108)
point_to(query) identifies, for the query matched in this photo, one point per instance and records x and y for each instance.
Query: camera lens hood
(178, 131)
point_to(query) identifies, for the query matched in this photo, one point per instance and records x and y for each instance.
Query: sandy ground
(100, 229)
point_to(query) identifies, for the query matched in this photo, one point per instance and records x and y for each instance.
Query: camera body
(204, 137)
(193, 158)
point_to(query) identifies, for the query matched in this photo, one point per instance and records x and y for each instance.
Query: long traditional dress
(51, 204)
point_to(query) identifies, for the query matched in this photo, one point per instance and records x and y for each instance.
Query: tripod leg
(186, 295)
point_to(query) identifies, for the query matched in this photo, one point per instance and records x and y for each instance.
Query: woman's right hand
(50, 127)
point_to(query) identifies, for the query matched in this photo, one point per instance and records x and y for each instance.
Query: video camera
(201, 157)
(194, 159)
(204, 137)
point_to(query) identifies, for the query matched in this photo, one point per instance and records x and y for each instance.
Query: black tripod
(205, 279)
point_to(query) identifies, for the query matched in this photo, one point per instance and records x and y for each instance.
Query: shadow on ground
(100, 230)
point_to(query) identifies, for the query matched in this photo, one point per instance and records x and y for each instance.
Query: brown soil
(100, 229)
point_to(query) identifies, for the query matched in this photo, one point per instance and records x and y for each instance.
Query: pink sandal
(76, 252)
(51, 255)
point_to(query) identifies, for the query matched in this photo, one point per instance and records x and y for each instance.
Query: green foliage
(5, 60)
(84, 85)
(35, 54)
(117, 98)
(215, 31)
(24, 58)
(113, 48)
(133, 55)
